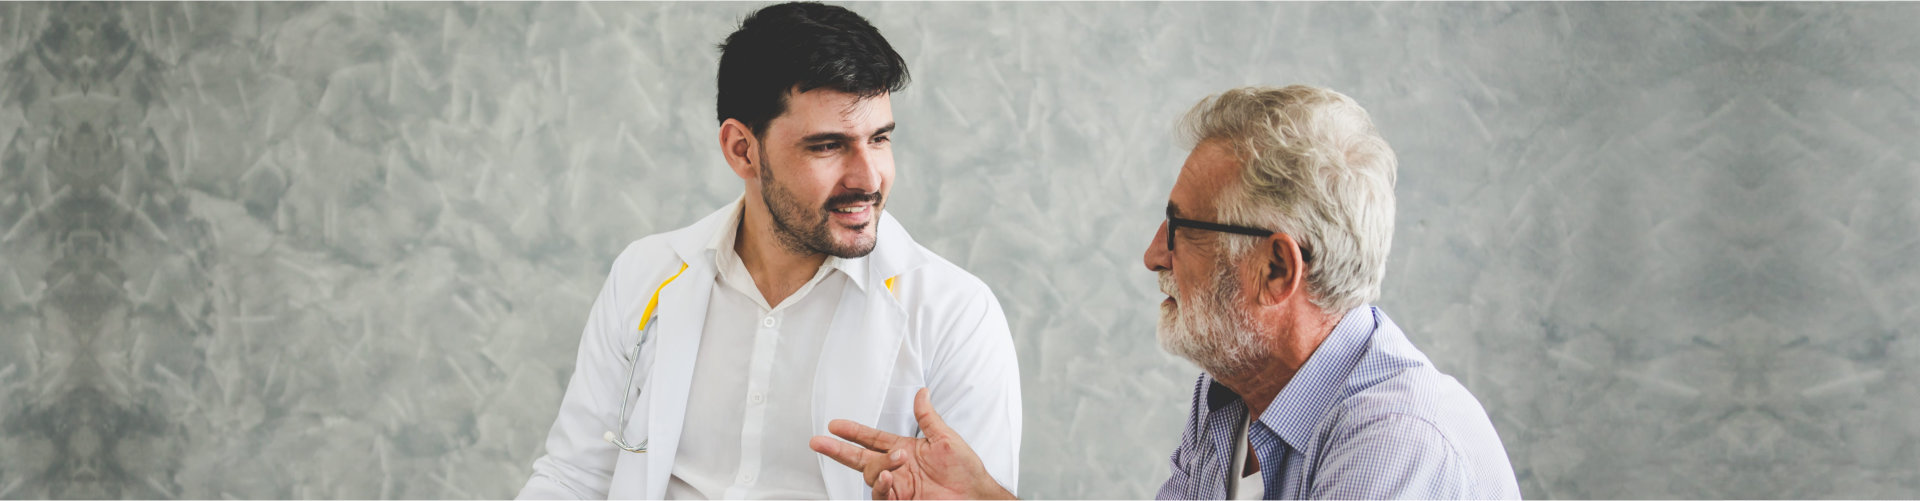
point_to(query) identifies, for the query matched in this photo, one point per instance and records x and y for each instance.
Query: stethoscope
(647, 321)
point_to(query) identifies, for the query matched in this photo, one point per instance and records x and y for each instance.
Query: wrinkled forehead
(1208, 171)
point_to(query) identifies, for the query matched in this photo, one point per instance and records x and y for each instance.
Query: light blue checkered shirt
(1368, 417)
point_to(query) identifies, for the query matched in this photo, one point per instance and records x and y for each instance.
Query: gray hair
(1313, 167)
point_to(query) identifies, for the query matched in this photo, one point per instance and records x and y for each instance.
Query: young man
(715, 351)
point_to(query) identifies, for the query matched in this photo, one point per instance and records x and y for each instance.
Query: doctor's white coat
(939, 327)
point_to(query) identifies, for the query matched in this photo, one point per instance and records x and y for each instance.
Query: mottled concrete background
(345, 250)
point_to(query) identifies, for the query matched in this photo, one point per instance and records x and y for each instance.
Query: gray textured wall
(345, 250)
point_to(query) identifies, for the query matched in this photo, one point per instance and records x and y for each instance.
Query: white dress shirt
(750, 405)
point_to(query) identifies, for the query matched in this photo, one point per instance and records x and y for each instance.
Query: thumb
(930, 422)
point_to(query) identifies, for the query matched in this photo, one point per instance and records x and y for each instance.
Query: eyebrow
(1173, 208)
(834, 137)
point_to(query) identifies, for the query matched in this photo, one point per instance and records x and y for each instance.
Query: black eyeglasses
(1174, 223)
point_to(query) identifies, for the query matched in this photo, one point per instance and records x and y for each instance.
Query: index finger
(846, 454)
(866, 436)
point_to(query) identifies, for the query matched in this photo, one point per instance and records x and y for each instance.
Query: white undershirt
(1248, 486)
(749, 407)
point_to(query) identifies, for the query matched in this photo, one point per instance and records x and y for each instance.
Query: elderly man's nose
(1158, 257)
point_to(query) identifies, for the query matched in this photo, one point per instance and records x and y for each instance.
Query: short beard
(810, 235)
(1206, 329)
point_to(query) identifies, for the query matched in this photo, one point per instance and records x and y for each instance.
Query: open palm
(938, 466)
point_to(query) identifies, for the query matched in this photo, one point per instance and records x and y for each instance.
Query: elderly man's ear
(1285, 269)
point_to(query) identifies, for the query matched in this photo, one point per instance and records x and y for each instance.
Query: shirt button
(746, 478)
(767, 322)
(757, 398)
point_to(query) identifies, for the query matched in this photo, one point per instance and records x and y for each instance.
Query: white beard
(1204, 328)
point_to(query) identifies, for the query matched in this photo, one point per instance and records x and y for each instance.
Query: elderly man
(1274, 245)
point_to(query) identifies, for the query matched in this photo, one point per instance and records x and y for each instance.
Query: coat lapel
(682, 317)
(856, 365)
(862, 346)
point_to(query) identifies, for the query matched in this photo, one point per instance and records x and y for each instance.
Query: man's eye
(882, 139)
(823, 147)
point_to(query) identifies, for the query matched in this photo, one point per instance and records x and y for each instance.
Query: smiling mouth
(856, 217)
(854, 211)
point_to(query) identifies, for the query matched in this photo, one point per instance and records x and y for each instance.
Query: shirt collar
(721, 247)
(1300, 405)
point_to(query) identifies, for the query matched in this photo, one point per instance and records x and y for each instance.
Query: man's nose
(863, 170)
(1158, 258)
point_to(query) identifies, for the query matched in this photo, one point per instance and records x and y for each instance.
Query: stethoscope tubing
(633, 369)
(626, 400)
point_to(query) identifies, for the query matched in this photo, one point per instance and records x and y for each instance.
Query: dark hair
(805, 44)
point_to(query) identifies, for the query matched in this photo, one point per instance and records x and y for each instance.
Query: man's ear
(1286, 269)
(741, 149)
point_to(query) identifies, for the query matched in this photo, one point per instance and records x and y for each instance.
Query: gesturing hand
(940, 466)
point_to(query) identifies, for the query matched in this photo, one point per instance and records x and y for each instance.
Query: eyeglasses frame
(1174, 223)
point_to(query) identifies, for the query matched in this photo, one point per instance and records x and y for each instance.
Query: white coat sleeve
(579, 463)
(976, 385)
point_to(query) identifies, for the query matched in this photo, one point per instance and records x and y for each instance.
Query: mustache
(1167, 285)
(853, 198)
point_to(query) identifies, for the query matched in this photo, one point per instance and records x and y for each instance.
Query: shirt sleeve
(976, 385)
(578, 463)
(1394, 456)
